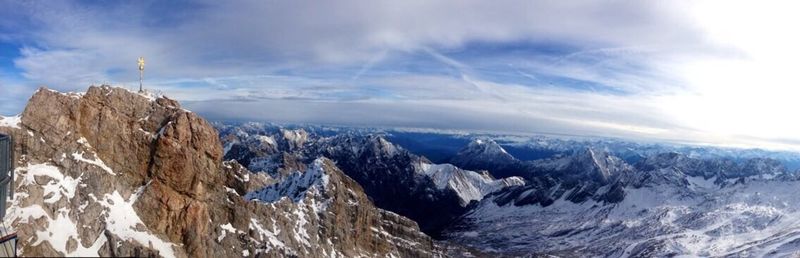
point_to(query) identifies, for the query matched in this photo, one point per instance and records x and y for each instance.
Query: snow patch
(60, 228)
(227, 228)
(295, 186)
(78, 156)
(10, 121)
(54, 189)
(151, 96)
(699, 181)
(264, 234)
(268, 140)
(122, 220)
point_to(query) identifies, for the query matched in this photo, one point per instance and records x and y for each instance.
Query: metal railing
(6, 172)
(8, 238)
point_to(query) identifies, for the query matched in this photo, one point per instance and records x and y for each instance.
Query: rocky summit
(111, 172)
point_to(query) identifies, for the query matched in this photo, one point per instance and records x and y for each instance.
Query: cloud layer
(618, 68)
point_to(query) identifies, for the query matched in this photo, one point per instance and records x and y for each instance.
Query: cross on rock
(141, 73)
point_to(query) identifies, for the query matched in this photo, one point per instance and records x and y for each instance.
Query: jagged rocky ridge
(395, 179)
(598, 175)
(592, 203)
(116, 173)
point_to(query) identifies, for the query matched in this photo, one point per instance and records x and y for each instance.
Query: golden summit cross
(141, 73)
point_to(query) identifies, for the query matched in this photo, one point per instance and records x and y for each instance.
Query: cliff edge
(111, 172)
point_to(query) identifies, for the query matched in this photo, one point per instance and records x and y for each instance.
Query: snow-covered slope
(295, 186)
(717, 168)
(583, 201)
(10, 121)
(397, 180)
(589, 164)
(468, 185)
(117, 214)
(662, 212)
(483, 154)
(323, 213)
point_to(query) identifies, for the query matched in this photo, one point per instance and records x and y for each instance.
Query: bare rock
(129, 174)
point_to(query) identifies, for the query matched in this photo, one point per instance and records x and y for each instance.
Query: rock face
(394, 178)
(323, 187)
(116, 173)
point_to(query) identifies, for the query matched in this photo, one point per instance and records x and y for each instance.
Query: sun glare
(751, 89)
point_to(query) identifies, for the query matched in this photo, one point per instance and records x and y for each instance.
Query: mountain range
(111, 172)
(573, 202)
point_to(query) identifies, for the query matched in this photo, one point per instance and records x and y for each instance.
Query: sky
(706, 72)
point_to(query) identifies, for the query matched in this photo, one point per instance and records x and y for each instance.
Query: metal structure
(6, 171)
(8, 240)
(141, 73)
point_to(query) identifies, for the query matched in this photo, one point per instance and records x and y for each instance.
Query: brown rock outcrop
(116, 173)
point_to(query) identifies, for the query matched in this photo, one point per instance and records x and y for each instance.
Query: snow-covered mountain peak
(484, 154)
(268, 140)
(468, 185)
(486, 147)
(295, 138)
(369, 145)
(586, 165)
(384, 145)
(358, 145)
(664, 160)
(721, 168)
(600, 163)
(296, 185)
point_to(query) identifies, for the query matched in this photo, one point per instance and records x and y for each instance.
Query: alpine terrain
(399, 129)
(115, 173)
(577, 199)
(111, 172)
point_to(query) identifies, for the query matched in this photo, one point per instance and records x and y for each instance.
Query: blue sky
(689, 71)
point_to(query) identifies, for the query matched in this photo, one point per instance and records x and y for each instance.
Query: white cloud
(222, 38)
(670, 70)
